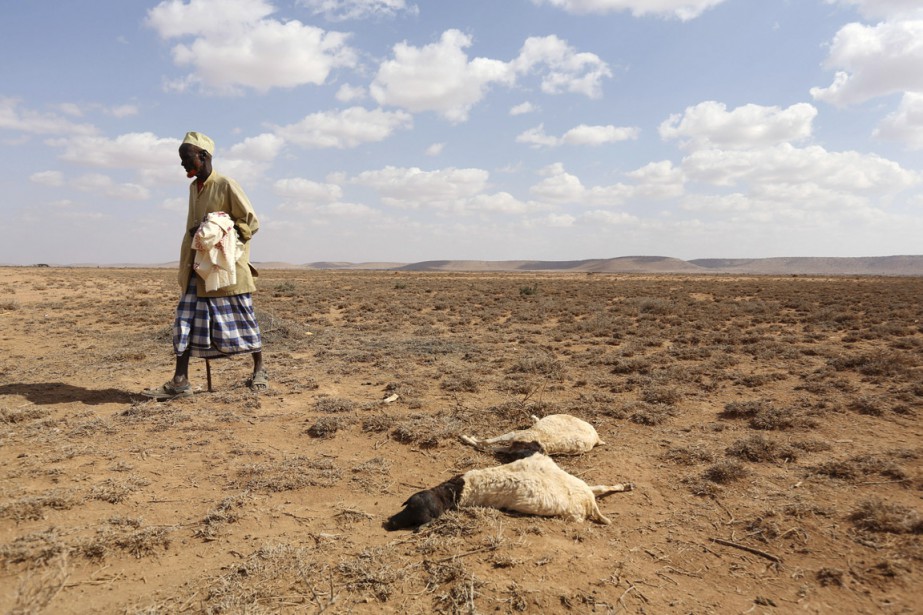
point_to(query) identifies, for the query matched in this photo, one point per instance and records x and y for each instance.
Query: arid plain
(771, 425)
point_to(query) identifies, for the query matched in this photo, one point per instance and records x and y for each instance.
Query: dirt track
(771, 425)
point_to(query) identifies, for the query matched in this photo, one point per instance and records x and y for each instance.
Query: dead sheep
(556, 434)
(534, 485)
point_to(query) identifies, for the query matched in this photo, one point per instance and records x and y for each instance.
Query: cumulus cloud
(135, 150)
(341, 10)
(562, 68)
(47, 178)
(307, 190)
(523, 108)
(345, 129)
(884, 9)
(349, 93)
(107, 187)
(905, 124)
(872, 61)
(14, 117)
(440, 77)
(653, 181)
(709, 124)
(786, 165)
(579, 135)
(415, 188)
(236, 44)
(677, 9)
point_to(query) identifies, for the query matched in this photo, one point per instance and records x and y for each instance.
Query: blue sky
(400, 131)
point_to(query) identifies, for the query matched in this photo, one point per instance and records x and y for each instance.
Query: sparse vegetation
(788, 404)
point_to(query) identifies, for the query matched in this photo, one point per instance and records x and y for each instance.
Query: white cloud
(341, 10)
(678, 9)
(874, 61)
(13, 117)
(785, 165)
(349, 93)
(905, 124)
(435, 149)
(236, 44)
(105, 186)
(536, 137)
(884, 9)
(305, 190)
(47, 178)
(414, 188)
(658, 180)
(559, 186)
(500, 202)
(345, 129)
(523, 108)
(121, 111)
(261, 148)
(562, 68)
(438, 77)
(599, 135)
(136, 150)
(579, 135)
(710, 124)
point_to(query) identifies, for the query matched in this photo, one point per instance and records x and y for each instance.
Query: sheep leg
(601, 491)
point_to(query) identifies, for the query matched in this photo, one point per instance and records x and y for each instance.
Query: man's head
(195, 154)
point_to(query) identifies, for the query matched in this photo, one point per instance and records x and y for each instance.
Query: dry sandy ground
(772, 427)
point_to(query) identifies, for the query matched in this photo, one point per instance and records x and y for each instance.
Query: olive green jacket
(219, 193)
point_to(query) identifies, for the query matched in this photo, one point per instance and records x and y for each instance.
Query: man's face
(192, 159)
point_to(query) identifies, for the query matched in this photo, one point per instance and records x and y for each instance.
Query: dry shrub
(33, 507)
(370, 573)
(37, 588)
(644, 413)
(460, 383)
(767, 417)
(879, 516)
(34, 549)
(689, 455)
(327, 426)
(861, 467)
(377, 423)
(878, 363)
(724, 472)
(12, 416)
(288, 474)
(115, 491)
(757, 448)
(260, 583)
(426, 431)
(663, 395)
(830, 576)
(330, 404)
(227, 511)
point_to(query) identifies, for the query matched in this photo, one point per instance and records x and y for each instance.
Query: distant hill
(872, 265)
(879, 265)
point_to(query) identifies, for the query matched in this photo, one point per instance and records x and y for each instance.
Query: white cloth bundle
(217, 251)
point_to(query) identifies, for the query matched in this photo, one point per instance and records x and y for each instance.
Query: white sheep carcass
(556, 434)
(534, 485)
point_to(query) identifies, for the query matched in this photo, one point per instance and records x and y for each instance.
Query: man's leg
(181, 375)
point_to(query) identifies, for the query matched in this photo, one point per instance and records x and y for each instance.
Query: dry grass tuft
(33, 507)
(879, 516)
(288, 474)
(760, 449)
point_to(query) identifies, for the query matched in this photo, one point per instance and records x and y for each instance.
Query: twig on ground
(754, 551)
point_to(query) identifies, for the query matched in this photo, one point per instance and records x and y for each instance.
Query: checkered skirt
(215, 326)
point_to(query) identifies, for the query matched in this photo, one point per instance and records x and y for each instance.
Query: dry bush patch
(792, 404)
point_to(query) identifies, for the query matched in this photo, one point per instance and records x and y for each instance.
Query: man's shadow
(45, 393)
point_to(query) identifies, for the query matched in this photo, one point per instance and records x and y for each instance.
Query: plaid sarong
(215, 326)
